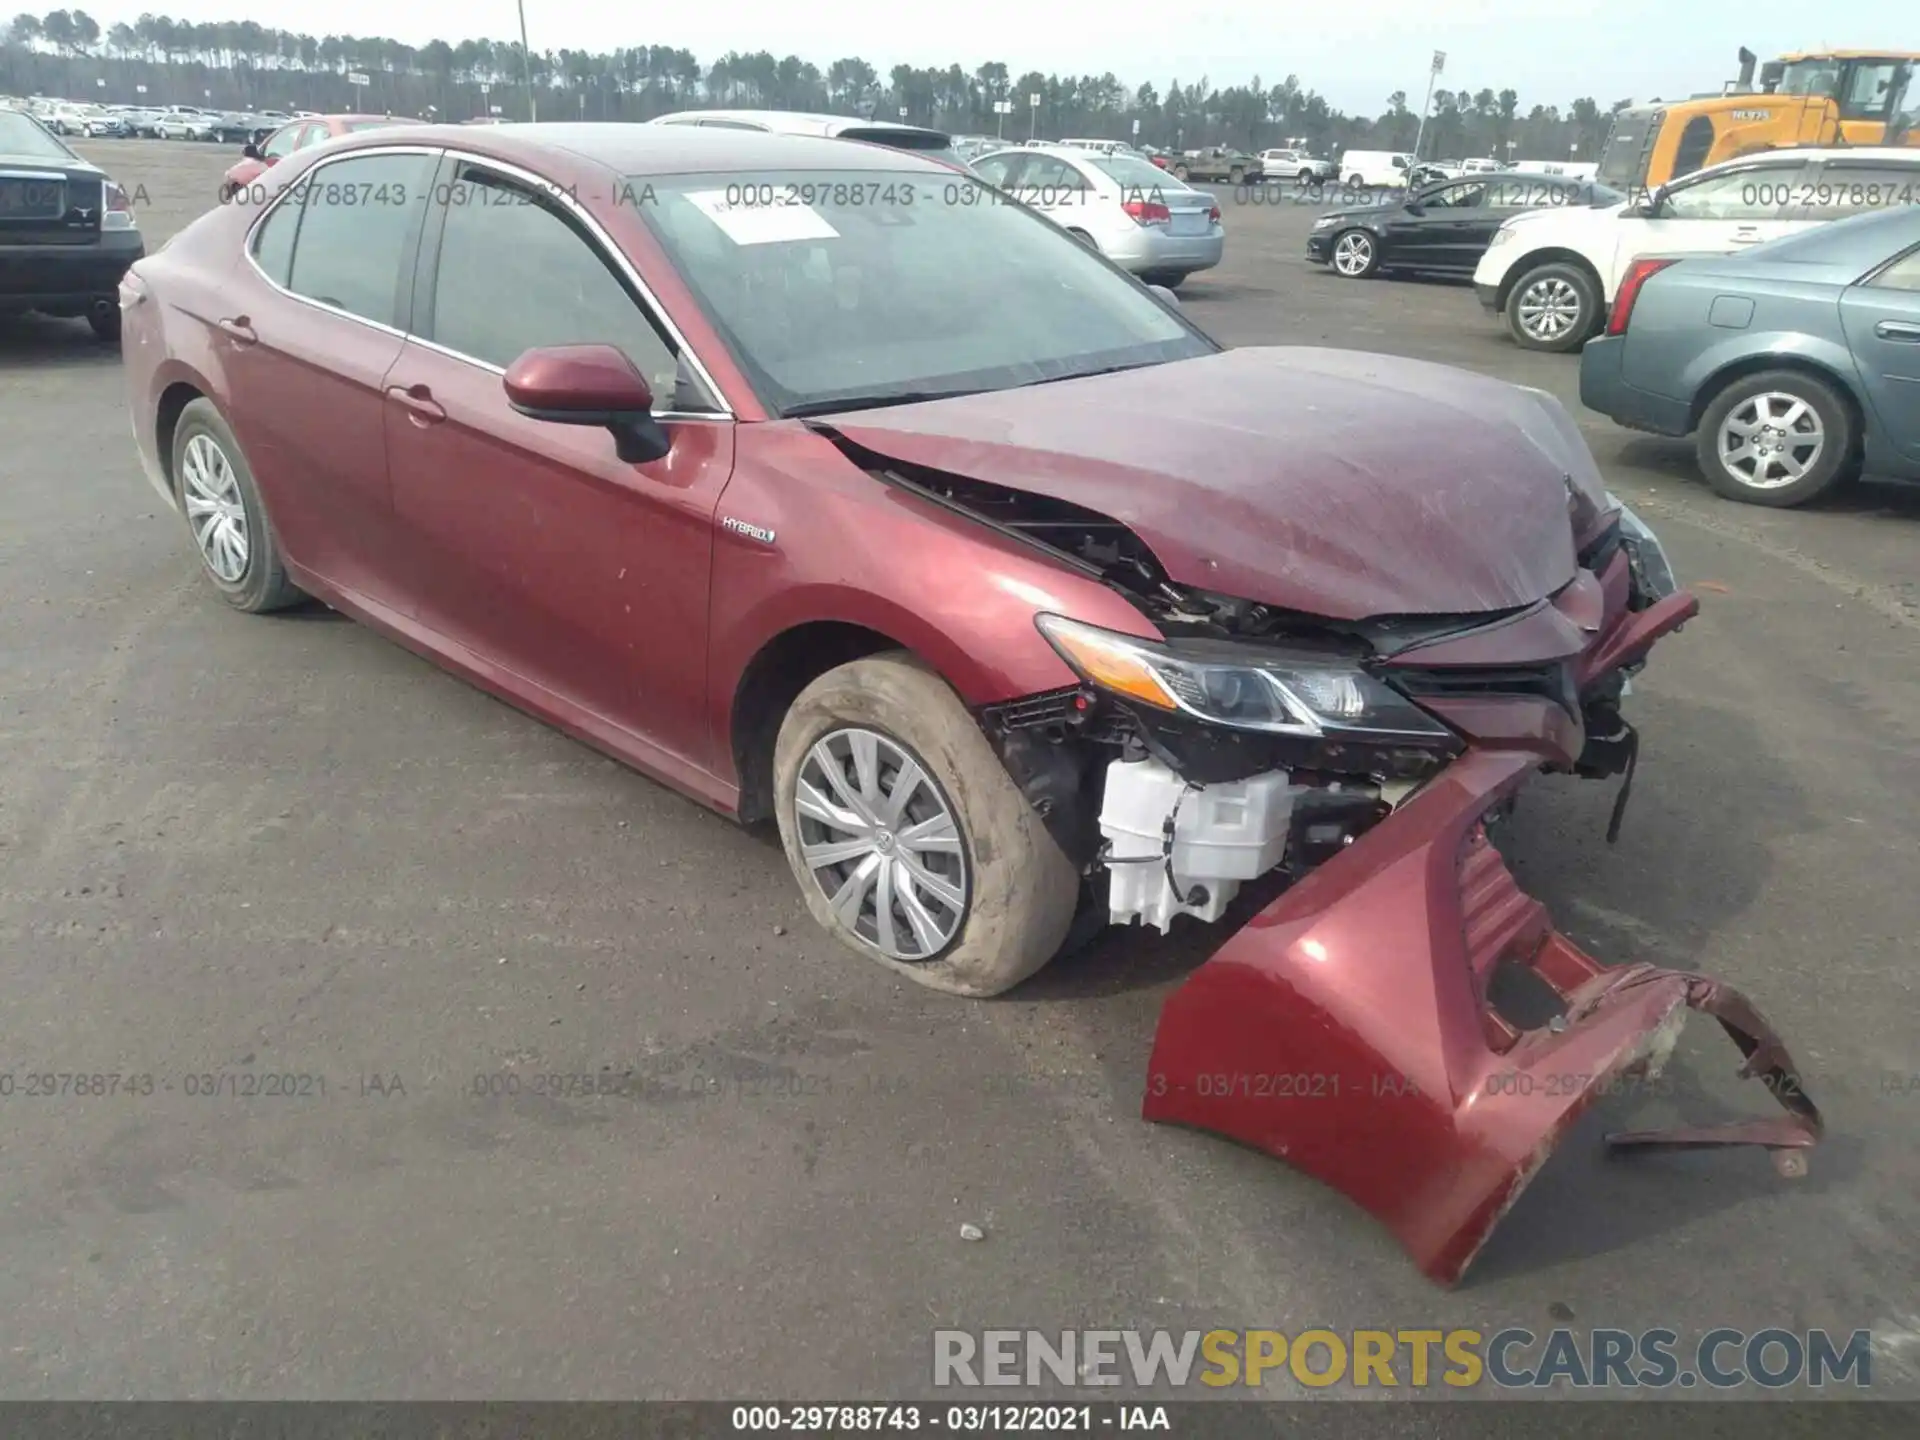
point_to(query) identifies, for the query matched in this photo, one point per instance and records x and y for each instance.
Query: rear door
(306, 330)
(1882, 320)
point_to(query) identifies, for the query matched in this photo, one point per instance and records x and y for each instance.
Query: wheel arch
(1740, 367)
(171, 405)
(1550, 255)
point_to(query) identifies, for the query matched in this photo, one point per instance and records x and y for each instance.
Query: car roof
(651, 149)
(794, 122)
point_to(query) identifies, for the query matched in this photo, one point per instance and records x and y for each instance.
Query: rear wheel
(105, 321)
(1179, 172)
(1356, 181)
(1236, 175)
(1777, 438)
(225, 514)
(1355, 255)
(911, 843)
(1554, 307)
(1171, 279)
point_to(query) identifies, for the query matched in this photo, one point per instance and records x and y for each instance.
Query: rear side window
(357, 217)
(1842, 189)
(273, 242)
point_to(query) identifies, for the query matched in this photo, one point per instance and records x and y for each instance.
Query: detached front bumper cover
(1347, 1029)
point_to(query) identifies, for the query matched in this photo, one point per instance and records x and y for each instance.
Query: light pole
(526, 62)
(1439, 64)
(1033, 113)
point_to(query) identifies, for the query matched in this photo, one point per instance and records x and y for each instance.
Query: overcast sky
(1355, 54)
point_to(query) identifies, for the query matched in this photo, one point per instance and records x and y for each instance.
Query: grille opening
(1520, 997)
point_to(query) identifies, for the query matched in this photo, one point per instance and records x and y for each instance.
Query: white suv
(1553, 272)
(1297, 165)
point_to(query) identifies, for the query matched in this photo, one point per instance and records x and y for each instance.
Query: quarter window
(356, 218)
(515, 273)
(273, 242)
(1903, 274)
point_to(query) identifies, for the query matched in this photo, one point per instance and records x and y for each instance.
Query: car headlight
(1652, 571)
(1327, 222)
(1500, 237)
(1273, 691)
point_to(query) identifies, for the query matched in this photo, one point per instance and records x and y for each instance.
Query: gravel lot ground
(233, 846)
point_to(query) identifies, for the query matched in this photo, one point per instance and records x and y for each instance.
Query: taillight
(1637, 275)
(1213, 215)
(1148, 212)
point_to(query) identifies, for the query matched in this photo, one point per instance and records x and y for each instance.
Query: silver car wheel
(215, 511)
(1549, 308)
(1353, 254)
(881, 842)
(1771, 440)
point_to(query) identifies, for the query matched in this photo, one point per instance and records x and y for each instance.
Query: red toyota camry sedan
(833, 487)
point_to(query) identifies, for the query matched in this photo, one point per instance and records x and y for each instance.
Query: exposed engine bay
(1169, 814)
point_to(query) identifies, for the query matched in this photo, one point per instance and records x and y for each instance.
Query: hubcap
(882, 844)
(1549, 308)
(1352, 254)
(214, 508)
(1771, 440)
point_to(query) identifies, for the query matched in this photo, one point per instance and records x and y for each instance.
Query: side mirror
(589, 385)
(251, 151)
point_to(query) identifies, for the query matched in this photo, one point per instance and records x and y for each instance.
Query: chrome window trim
(597, 235)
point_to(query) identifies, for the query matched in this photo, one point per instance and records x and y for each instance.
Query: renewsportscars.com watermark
(1513, 1358)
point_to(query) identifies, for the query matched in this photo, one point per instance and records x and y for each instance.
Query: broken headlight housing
(1273, 691)
(1652, 571)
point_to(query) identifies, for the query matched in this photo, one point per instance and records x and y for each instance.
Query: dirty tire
(1753, 482)
(106, 325)
(1023, 889)
(1179, 172)
(263, 584)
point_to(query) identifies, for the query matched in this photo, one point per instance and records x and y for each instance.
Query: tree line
(244, 65)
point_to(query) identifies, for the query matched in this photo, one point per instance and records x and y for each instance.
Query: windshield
(20, 135)
(868, 286)
(1810, 77)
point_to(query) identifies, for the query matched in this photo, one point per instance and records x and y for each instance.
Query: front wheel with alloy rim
(225, 514)
(1777, 438)
(1555, 307)
(910, 841)
(1355, 255)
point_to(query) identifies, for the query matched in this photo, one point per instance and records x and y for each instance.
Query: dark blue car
(1795, 364)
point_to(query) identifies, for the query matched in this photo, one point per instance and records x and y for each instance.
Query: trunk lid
(1330, 482)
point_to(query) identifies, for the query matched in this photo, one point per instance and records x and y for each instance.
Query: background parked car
(1217, 163)
(1444, 228)
(1370, 168)
(1125, 207)
(1297, 165)
(1793, 364)
(1553, 273)
(934, 143)
(296, 135)
(183, 122)
(67, 231)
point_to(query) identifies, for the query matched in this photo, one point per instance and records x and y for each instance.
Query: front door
(534, 547)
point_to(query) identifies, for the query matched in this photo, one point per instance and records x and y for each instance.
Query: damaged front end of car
(1350, 1026)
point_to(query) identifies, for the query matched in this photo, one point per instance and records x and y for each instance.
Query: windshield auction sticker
(746, 223)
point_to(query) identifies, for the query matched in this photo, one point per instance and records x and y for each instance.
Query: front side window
(848, 288)
(285, 141)
(356, 219)
(515, 273)
(1754, 193)
(998, 169)
(1869, 90)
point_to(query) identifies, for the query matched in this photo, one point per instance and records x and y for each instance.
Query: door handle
(239, 329)
(418, 402)
(1898, 330)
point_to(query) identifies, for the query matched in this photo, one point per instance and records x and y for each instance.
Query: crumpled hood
(1331, 482)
